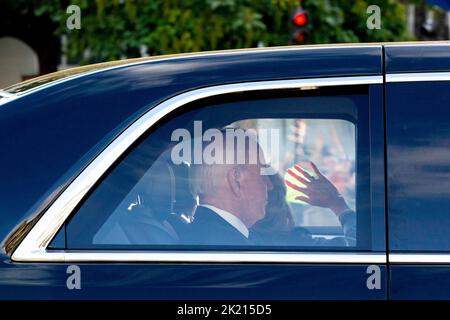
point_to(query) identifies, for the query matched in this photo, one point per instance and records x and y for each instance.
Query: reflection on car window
(278, 172)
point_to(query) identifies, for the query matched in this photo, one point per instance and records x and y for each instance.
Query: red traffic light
(300, 37)
(299, 26)
(300, 19)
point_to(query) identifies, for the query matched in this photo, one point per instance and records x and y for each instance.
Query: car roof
(88, 69)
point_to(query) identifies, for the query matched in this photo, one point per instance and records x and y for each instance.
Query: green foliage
(335, 21)
(112, 29)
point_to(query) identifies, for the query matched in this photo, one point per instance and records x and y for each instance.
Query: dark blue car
(118, 181)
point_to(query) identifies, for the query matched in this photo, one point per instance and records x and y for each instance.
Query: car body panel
(190, 281)
(420, 282)
(417, 57)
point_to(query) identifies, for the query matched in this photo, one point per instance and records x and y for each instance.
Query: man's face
(254, 190)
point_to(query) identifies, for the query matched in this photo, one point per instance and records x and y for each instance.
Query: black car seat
(145, 222)
(184, 202)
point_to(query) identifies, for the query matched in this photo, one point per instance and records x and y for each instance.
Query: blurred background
(42, 36)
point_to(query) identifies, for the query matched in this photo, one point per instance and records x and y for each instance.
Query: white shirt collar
(230, 218)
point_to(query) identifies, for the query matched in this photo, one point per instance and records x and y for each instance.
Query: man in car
(233, 197)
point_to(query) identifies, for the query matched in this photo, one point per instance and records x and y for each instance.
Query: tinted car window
(297, 177)
(418, 138)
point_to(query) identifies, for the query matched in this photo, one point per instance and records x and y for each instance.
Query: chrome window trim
(33, 246)
(419, 258)
(214, 257)
(417, 77)
(5, 94)
(4, 100)
(417, 44)
(6, 97)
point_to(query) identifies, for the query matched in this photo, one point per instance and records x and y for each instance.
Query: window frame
(417, 257)
(315, 104)
(34, 245)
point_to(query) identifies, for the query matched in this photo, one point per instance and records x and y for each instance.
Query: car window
(281, 170)
(418, 138)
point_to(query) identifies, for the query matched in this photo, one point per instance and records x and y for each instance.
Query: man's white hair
(206, 179)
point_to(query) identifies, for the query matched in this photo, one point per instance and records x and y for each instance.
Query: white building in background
(18, 61)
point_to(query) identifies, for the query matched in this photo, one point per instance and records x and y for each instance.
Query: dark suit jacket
(208, 228)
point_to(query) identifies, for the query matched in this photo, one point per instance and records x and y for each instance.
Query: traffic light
(299, 26)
